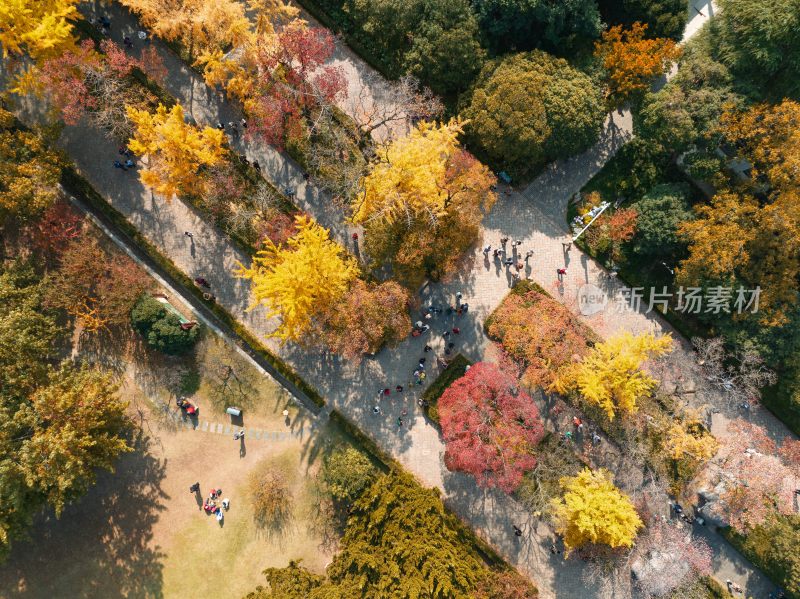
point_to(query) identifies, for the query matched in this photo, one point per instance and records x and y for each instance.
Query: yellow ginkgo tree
(409, 179)
(175, 150)
(611, 375)
(422, 203)
(594, 511)
(38, 29)
(299, 279)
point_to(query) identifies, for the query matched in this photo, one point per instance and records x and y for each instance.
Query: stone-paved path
(535, 216)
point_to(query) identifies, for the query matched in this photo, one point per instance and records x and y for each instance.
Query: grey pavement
(535, 216)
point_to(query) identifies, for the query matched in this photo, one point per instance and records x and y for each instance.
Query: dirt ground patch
(140, 533)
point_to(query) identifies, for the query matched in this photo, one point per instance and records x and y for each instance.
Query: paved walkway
(535, 216)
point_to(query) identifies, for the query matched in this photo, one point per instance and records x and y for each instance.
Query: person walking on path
(528, 255)
(119, 165)
(195, 488)
(189, 234)
(517, 530)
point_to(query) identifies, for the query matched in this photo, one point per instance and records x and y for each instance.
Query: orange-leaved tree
(366, 318)
(540, 333)
(748, 236)
(631, 61)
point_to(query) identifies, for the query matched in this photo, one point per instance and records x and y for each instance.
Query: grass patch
(455, 370)
(759, 547)
(76, 185)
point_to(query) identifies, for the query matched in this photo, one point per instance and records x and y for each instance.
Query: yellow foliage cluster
(409, 182)
(739, 236)
(611, 375)
(685, 438)
(593, 510)
(297, 280)
(39, 29)
(175, 150)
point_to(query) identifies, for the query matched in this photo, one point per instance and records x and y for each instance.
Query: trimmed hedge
(454, 371)
(76, 185)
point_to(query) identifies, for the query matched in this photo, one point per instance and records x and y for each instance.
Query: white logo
(591, 300)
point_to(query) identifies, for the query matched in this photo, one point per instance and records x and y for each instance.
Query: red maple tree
(490, 427)
(294, 82)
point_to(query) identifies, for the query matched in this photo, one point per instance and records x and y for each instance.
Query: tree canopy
(661, 212)
(529, 24)
(445, 50)
(490, 427)
(611, 374)
(422, 203)
(748, 236)
(594, 511)
(399, 541)
(529, 108)
(29, 172)
(175, 150)
(160, 328)
(761, 42)
(540, 332)
(296, 280)
(632, 61)
(58, 425)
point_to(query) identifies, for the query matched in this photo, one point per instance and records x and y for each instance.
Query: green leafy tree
(291, 582)
(27, 334)
(528, 24)
(773, 548)
(664, 18)
(347, 472)
(400, 537)
(661, 211)
(387, 25)
(160, 328)
(78, 424)
(53, 442)
(529, 108)
(687, 109)
(445, 52)
(761, 41)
